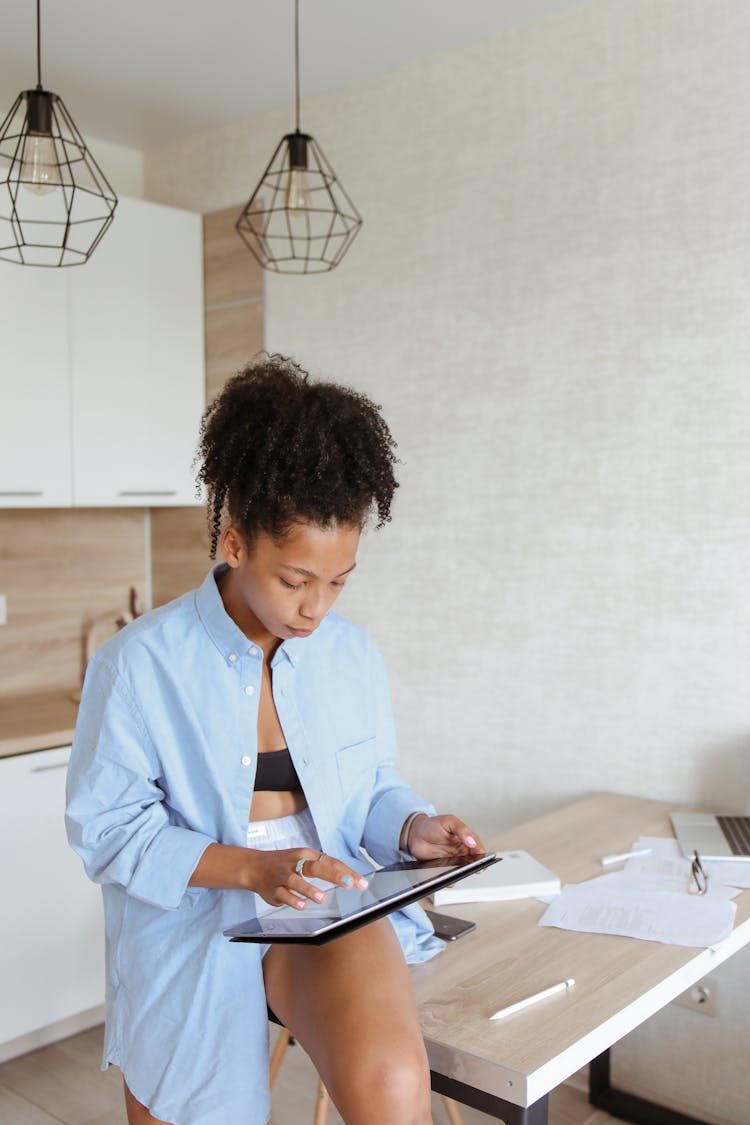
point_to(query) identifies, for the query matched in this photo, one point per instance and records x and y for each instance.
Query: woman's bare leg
(351, 1006)
(137, 1113)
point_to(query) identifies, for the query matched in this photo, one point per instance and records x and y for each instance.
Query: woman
(240, 739)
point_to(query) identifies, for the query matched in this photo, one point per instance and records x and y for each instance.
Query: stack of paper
(650, 899)
(516, 875)
(730, 872)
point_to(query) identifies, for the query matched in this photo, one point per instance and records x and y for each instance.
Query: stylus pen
(519, 1006)
(620, 857)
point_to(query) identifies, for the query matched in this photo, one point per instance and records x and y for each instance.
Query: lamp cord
(296, 60)
(38, 46)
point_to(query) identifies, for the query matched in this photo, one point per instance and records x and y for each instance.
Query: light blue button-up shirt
(163, 765)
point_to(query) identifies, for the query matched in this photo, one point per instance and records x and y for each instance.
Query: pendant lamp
(55, 202)
(299, 219)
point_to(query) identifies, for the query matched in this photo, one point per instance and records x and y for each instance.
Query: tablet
(346, 909)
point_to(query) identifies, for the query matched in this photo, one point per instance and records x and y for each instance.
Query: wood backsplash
(179, 551)
(59, 570)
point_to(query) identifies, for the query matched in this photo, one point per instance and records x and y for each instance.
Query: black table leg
(536, 1114)
(629, 1107)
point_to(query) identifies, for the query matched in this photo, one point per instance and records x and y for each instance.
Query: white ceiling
(143, 73)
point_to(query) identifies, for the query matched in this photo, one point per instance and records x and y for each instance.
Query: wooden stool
(323, 1100)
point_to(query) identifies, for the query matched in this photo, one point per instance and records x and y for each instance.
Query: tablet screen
(347, 908)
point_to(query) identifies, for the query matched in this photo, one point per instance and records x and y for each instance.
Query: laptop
(346, 909)
(712, 836)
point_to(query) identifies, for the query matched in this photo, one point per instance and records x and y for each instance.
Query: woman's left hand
(436, 837)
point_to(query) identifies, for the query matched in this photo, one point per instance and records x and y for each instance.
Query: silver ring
(299, 865)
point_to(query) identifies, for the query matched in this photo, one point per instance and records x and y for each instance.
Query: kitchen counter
(36, 722)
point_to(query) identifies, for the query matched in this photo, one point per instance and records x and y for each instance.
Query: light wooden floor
(63, 1083)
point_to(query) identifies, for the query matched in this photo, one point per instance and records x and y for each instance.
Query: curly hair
(276, 447)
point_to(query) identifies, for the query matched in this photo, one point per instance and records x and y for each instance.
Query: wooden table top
(620, 981)
(36, 722)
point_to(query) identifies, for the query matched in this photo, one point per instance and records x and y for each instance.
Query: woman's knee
(393, 1080)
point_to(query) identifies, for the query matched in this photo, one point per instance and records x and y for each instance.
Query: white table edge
(524, 1089)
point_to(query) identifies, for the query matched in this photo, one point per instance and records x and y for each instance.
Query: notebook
(347, 909)
(518, 876)
(712, 836)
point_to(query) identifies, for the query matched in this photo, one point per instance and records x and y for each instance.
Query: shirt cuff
(164, 870)
(386, 819)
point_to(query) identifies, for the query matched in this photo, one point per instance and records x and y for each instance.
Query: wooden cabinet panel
(231, 272)
(234, 288)
(233, 336)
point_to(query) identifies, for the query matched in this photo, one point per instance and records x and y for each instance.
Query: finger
(296, 883)
(334, 871)
(299, 886)
(302, 860)
(464, 834)
(285, 897)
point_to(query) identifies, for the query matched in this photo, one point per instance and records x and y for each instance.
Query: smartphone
(449, 928)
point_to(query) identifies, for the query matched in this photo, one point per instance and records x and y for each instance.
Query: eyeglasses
(698, 877)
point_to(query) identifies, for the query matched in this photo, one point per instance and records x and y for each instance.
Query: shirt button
(246, 759)
(253, 651)
(232, 658)
(249, 690)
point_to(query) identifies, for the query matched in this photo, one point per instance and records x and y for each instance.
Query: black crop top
(276, 772)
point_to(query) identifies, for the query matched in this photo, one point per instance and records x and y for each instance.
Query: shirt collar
(293, 650)
(225, 633)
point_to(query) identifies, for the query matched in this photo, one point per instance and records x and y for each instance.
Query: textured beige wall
(122, 166)
(551, 298)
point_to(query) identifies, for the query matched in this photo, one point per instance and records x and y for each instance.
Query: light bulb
(298, 194)
(39, 171)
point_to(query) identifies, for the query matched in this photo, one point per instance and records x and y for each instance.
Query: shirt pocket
(356, 764)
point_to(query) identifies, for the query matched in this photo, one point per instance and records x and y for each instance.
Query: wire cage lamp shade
(299, 219)
(55, 201)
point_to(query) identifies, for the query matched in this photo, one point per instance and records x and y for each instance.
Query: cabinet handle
(36, 492)
(151, 492)
(53, 766)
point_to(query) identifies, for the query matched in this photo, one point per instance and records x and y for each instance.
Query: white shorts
(295, 831)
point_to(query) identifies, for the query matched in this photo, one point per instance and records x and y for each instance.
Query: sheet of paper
(659, 845)
(667, 869)
(730, 872)
(669, 875)
(614, 904)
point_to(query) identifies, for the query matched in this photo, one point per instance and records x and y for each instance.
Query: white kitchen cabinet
(137, 360)
(102, 369)
(51, 920)
(35, 451)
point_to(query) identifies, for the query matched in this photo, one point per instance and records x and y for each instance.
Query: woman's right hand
(273, 875)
